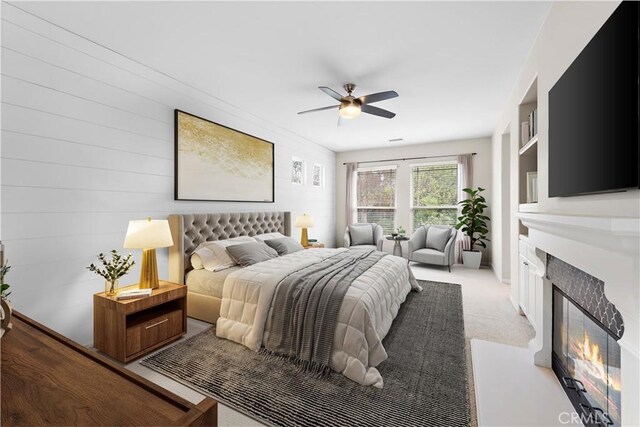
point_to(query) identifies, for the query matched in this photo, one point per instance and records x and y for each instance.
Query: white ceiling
(453, 63)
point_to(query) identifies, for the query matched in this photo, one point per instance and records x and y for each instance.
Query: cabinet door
(532, 296)
(523, 283)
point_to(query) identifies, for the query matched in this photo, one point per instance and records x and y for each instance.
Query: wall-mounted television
(594, 112)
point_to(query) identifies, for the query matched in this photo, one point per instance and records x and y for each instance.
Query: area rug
(425, 379)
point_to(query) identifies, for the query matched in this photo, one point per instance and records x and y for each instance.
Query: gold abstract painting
(216, 163)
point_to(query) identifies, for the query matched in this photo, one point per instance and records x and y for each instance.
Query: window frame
(393, 167)
(412, 208)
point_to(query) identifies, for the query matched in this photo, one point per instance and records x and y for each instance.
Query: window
(376, 190)
(434, 194)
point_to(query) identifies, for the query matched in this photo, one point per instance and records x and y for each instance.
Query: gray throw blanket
(305, 309)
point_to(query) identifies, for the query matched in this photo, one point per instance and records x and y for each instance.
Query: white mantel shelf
(607, 248)
(616, 226)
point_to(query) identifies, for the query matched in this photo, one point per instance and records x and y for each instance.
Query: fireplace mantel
(609, 249)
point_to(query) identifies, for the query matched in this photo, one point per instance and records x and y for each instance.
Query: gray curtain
(465, 180)
(350, 201)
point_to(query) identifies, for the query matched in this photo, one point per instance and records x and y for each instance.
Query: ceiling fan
(351, 107)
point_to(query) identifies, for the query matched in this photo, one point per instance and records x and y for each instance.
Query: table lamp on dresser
(304, 221)
(148, 235)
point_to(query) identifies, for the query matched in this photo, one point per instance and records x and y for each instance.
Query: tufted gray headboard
(189, 230)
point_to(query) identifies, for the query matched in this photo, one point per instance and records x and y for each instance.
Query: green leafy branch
(472, 220)
(114, 268)
(4, 269)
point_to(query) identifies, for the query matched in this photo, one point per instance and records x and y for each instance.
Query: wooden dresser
(48, 379)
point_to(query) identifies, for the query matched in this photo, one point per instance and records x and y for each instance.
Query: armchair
(436, 248)
(364, 235)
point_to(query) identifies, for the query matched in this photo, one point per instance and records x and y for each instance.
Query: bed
(190, 230)
(248, 309)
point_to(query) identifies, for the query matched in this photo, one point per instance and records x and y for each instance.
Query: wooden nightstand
(128, 329)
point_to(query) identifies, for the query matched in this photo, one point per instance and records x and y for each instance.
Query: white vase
(471, 259)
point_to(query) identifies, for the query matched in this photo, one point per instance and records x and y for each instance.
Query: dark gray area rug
(425, 379)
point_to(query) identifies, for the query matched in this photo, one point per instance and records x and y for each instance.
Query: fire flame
(595, 362)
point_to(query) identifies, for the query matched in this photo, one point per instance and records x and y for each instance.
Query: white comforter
(366, 314)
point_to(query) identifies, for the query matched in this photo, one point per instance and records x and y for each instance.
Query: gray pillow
(247, 254)
(285, 245)
(437, 238)
(361, 234)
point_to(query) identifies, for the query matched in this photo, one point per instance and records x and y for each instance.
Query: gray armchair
(433, 244)
(364, 235)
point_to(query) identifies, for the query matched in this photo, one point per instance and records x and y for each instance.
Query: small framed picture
(318, 175)
(298, 171)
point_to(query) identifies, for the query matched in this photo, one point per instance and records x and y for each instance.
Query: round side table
(397, 247)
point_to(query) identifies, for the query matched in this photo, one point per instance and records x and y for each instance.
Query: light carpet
(425, 375)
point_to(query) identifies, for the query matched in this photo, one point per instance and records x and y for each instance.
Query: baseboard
(495, 273)
(500, 279)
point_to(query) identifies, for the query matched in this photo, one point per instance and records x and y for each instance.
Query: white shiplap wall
(87, 145)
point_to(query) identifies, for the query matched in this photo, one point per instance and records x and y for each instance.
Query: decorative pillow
(437, 238)
(361, 234)
(247, 254)
(284, 246)
(212, 255)
(268, 236)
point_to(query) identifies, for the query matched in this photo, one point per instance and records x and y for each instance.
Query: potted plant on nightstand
(473, 222)
(114, 269)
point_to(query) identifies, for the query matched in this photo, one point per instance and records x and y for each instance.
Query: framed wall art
(298, 171)
(217, 163)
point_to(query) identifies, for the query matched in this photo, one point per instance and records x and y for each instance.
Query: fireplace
(594, 262)
(586, 359)
(586, 328)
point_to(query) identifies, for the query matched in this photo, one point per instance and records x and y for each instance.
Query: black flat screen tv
(594, 116)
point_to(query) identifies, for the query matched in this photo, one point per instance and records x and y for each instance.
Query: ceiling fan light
(349, 111)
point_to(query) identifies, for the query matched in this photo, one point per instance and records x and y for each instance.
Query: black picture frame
(177, 171)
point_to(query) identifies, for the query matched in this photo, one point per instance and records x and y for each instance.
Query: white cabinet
(529, 282)
(523, 283)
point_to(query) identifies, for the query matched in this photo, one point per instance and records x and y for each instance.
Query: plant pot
(5, 316)
(111, 288)
(471, 259)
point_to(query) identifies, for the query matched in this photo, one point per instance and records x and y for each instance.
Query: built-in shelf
(528, 207)
(529, 146)
(528, 154)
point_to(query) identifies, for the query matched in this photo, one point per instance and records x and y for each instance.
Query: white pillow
(268, 236)
(213, 255)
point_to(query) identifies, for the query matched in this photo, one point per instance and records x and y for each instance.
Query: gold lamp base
(149, 270)
(304, 239)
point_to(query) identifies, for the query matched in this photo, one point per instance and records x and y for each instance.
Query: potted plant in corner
(473, 222)
(114, 269)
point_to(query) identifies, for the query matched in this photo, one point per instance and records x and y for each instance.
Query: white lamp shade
(148, 234)
(304, 221)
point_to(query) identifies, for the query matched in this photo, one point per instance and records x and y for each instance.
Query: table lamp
(304, 221)
(148, 234)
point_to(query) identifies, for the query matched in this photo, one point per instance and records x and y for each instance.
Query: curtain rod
(408, 158)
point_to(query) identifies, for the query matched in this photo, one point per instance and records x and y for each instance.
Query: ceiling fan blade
(380, 96)
(332, 93)
(318, 109)
(370, 109)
